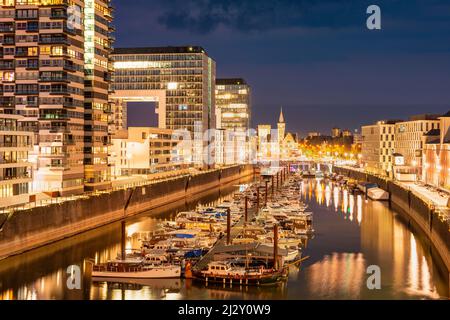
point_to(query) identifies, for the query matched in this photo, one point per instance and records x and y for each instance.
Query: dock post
(257, 200)
(228, 226)
(123, 244)
(278, 182)
(246, 209)
(273, 186)
(275, 247)
(267, 191)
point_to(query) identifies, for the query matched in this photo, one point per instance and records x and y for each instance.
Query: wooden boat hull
(271, 279)
(154, 273)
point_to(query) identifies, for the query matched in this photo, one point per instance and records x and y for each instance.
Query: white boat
(292, 253)
(378, 194)
(135, 269)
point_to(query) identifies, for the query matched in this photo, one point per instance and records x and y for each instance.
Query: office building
(233, 104)
(146, 151)
(181, 80)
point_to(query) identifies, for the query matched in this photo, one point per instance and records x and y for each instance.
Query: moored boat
(226, 272)
(135, 269)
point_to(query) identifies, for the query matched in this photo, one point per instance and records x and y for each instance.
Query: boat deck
(235, 230)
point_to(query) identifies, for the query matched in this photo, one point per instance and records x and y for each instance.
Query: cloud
(204, 16)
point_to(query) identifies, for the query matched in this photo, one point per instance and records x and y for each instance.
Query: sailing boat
(134, 268)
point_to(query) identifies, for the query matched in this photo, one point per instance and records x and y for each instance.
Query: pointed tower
(281, 127)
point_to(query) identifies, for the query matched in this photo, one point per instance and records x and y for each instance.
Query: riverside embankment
(28, 229)
(416, 210)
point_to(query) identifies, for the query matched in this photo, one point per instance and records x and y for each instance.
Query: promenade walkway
(431, 197)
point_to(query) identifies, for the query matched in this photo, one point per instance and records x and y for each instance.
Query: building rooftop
(281, 119)
(426, 116)
(230, 81)
(446, 115)
(433, 132)
(159, 50)
(435, 141)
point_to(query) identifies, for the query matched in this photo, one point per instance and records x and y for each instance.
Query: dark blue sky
(316, 58)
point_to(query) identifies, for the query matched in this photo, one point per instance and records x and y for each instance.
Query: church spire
(281, 120)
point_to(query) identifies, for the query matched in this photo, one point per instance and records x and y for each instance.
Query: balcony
(57, 129)
(13, 145)
(50, 117)
(58, 15)
(69, 67)
(53, 79)
(32, 28)
(7, 30)
(53, 40)
(6, 65)
(27, 17)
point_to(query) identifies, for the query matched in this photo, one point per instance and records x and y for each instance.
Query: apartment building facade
(409, 142)
(54, 71)
(15, 169)
(377, 149)
(436, 155)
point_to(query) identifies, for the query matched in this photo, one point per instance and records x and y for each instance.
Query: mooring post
(267, 191)
(275, 246)
(246, 209)
(257, 199)
(228, 226)
(123, 244)
(273, 186)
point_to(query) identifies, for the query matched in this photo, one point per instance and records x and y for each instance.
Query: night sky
(315, 58)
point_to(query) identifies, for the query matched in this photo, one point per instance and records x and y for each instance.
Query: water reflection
(337, 275)
(351, 234)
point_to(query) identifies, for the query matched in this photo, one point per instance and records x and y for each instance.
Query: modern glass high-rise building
(233, 104)
(54, 71)
(180, 79)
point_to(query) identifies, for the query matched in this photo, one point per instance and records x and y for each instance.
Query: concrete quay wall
(414, 209)
(28, 229)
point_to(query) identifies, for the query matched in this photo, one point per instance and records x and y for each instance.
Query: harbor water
(351, 234)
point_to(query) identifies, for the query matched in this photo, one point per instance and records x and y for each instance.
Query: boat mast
(275, 246)
(123, 244)
(228, 226)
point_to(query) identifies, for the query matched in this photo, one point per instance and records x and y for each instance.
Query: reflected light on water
(420, 281)
(345, 203)
(336, 198)
(359, 209)
(339, 254)
(319, 192)
(413, 264)
(328, 195)
(340, 274)
(352, 206)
